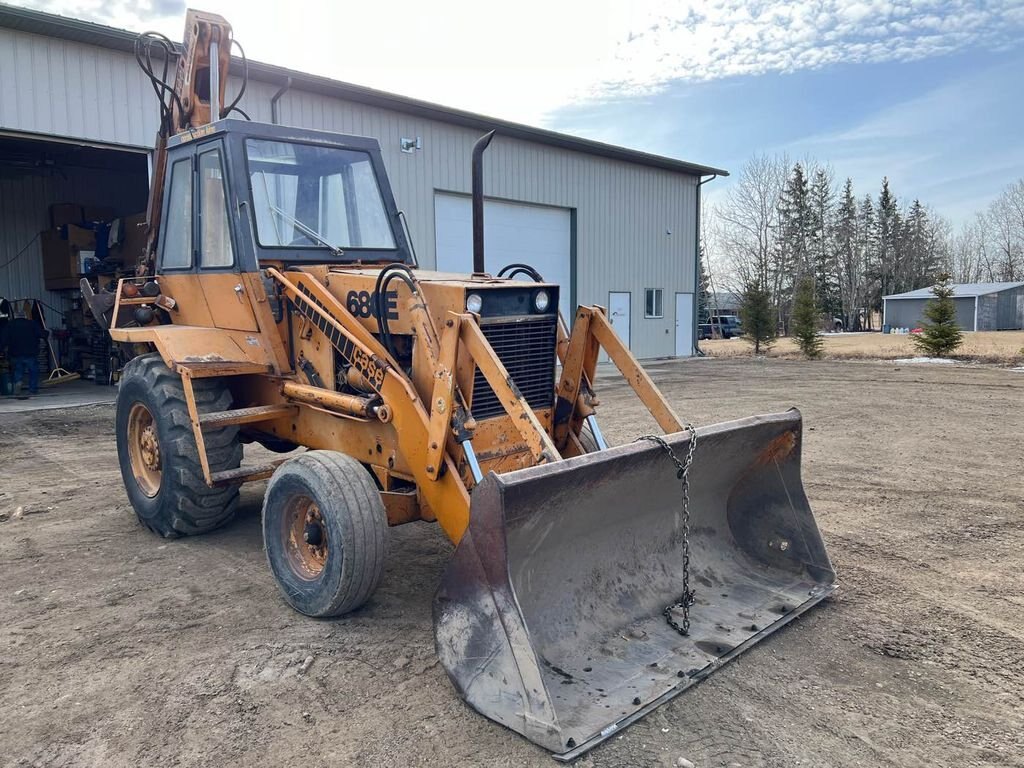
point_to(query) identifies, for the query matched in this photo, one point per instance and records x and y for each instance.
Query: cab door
(216, 253)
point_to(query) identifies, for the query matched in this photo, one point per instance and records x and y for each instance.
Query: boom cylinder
(350, 405)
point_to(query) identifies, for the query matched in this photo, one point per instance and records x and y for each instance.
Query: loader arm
(446, 495)
(575, 398)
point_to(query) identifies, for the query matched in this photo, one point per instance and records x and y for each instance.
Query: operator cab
(241, 194)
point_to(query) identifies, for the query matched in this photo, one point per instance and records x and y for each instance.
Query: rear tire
(325, 531)
(158, 454)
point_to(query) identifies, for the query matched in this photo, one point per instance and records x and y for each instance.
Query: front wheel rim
(144, 450)
(305, 538)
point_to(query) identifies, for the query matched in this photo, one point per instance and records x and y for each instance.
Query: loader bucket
(549, 618)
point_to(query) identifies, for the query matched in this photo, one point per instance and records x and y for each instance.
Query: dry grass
(1002, 347)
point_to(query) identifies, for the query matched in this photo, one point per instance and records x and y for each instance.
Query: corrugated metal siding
(624, 212)
(909, 313)
(69, 89)
(1010, 312)
(25, 211)
(987, 311)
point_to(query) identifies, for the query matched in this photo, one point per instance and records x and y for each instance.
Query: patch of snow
(939, 360)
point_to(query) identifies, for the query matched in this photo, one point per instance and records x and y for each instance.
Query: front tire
(587, 439)
(324, 529)
(158, 455)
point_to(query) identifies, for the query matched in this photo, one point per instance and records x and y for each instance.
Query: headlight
(474, 303)
(541, 300)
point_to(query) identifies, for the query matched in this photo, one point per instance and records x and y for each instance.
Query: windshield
(310, 196)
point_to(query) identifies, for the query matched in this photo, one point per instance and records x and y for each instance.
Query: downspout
(274, 116)
(696, 269)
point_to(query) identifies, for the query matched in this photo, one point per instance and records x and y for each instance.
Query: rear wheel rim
(305, 538)
(144, 450)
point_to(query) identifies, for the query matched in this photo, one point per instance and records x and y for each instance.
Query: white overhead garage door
(513, 233)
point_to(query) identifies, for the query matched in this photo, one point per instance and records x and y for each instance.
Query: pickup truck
(728, 326)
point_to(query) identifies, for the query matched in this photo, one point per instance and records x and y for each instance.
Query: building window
(653, 303)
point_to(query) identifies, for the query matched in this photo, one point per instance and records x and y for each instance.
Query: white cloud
(524, 60)
(673, 40)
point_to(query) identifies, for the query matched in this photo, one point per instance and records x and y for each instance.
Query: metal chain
(682, 522)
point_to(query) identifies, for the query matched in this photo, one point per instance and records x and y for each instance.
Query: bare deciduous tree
(746, 224)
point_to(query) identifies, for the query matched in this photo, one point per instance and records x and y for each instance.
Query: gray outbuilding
(615, 227)
(979, 307)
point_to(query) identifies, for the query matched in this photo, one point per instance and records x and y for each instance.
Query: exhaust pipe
(478, 202)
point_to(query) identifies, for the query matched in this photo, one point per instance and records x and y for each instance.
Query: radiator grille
(527, 350)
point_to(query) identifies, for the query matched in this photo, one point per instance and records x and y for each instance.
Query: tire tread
(195, 507)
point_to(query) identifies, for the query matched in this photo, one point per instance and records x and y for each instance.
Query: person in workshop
(21, 337)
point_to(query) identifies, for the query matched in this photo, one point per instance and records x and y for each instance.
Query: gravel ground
(121, 649)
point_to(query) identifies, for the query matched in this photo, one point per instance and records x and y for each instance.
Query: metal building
(617, 226)
(979, 307)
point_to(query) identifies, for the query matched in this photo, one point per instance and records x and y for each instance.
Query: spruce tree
(757, 316)
(704, 295)
(793, 245)
(806, 320)
(824, 261)
(851, 270)
(940, 335)
(887, 241)
(867, 242)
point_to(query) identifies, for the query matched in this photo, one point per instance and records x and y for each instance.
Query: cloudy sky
(928, 92)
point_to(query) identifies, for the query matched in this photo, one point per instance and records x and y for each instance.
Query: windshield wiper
(309, 232)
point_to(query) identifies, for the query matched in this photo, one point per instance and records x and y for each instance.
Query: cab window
(215, 230)
(177, 228)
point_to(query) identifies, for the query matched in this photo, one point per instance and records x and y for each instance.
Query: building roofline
(960, 290)
(91, 33)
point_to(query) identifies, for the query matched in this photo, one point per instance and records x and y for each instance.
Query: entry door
(618, 313)
(229, 305)
(684, 324)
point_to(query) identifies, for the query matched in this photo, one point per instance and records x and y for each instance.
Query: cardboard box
(62, 259)
(80, 237)
(63, 284)
(97, 213)
(133, 240)
(65, 213)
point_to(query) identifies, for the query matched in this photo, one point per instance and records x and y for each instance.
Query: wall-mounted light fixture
(410, 145)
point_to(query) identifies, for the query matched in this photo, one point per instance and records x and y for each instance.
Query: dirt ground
(121, 649)
(1003, 347)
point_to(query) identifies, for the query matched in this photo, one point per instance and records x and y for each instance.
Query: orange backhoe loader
(279, 302)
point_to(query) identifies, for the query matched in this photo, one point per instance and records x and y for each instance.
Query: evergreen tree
(847, 252)
(793, 261)
(940, 335)
(923, 253)
(867, 243)
(821, 223)
(806, 320)
(887, 238)
(703, 295)
(757, 316)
